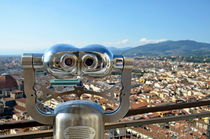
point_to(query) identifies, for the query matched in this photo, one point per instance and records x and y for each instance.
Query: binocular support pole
(79, 119)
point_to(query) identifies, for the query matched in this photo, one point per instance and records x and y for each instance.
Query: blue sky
(34, 25)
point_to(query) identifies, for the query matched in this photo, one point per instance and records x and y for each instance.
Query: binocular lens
(89, 61)
(68, 62)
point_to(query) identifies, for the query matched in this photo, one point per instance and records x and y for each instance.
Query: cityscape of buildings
(154, 82)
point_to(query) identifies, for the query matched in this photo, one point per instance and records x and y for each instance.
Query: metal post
(79, 119)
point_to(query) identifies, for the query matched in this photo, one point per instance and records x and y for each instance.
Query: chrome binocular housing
(65, 61)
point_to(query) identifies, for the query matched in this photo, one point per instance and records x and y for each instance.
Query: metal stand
(79, 119)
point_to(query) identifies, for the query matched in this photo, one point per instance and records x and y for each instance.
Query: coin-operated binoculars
(76, 118)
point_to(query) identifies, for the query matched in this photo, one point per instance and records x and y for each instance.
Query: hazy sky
(34, 25)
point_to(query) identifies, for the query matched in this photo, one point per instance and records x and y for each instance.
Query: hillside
(171, 48)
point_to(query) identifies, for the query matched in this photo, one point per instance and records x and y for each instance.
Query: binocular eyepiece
(90, 61)
(65, 61)
(68, 62)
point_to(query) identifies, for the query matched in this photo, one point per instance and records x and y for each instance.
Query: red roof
(138, 105)
(8, 99)
(16, 91)
(17, 107)
(7, 81)
(203, 87)
(23, 100)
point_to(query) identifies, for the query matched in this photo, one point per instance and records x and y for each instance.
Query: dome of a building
(7, 81)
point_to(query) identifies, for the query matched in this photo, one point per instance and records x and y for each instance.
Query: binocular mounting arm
(29, 82)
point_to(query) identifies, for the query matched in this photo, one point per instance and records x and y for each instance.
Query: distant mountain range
(167, 48)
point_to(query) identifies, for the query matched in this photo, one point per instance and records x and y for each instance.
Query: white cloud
(145, 40)
(133, 43)
(124, 41)
(117, 43)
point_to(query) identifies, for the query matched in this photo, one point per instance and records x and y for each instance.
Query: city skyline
(32, 26)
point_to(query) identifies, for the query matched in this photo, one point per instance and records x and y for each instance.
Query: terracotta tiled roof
(7, 81)
(153, 115)
(8, 99)
(139, 105)
(17, 107)
(23, 100)
(16, 91)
